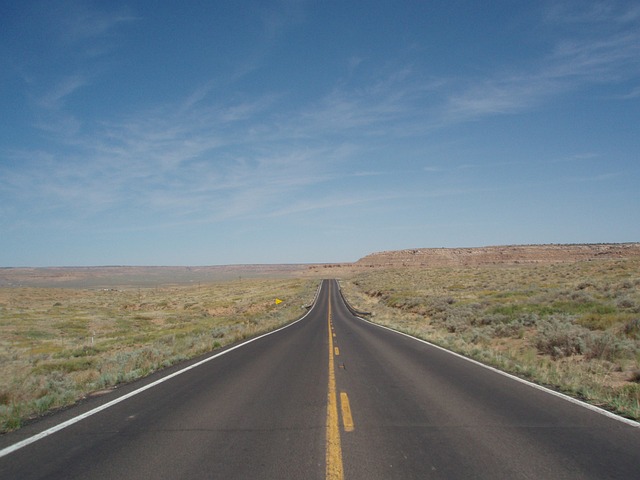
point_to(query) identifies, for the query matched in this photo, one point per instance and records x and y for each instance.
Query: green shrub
(437, 308)
(560, 338)
(87, 351)
(494, 319)
(456, 325)
(65, 366)
(606, 346)
(627, 303)
(512, 329)
(632, 328)
(598, 321)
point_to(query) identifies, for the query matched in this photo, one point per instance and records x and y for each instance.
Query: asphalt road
(330, 396)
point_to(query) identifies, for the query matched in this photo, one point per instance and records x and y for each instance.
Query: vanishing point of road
(329, 396)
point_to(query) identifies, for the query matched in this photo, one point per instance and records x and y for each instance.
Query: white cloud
(55, 97)
(633, 94)
(189, 162)
(596, 178)
(77, 22)
(592, 13)
(604, 49)
(280, 16)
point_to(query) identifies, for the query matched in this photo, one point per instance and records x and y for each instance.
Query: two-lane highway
(330, 396)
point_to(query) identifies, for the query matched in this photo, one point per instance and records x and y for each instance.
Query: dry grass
(574, 326)
(57, 345)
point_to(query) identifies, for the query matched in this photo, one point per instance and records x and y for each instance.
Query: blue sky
(198, 133)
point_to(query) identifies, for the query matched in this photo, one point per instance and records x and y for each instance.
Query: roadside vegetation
(59, 345)
(574, 326)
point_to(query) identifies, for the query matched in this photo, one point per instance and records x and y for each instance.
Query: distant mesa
(499, 255)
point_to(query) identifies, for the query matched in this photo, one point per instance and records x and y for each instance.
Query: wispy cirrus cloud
(203, 158)
(74, 38)
(330, 203)
(280, 16)
(189, 162)
(603, 47)
(603, 177)
(55, 96)
(385, 105)
(407, 102)
(77, 23)
(592, 13)
(634, 93)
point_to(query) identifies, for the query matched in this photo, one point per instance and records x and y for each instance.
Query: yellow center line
(347, 419)
(334, 449)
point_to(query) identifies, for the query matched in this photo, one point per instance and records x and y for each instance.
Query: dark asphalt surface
(260, 411)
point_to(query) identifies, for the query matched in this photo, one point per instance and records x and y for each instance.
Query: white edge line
(28, 441)
(573, 400)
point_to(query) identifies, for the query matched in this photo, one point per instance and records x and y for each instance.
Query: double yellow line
(334, 448)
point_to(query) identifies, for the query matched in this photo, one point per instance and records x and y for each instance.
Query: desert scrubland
(571, 324)
(58, 345)
(563, 316)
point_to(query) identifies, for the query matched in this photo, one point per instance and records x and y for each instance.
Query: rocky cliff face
(510, 254)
